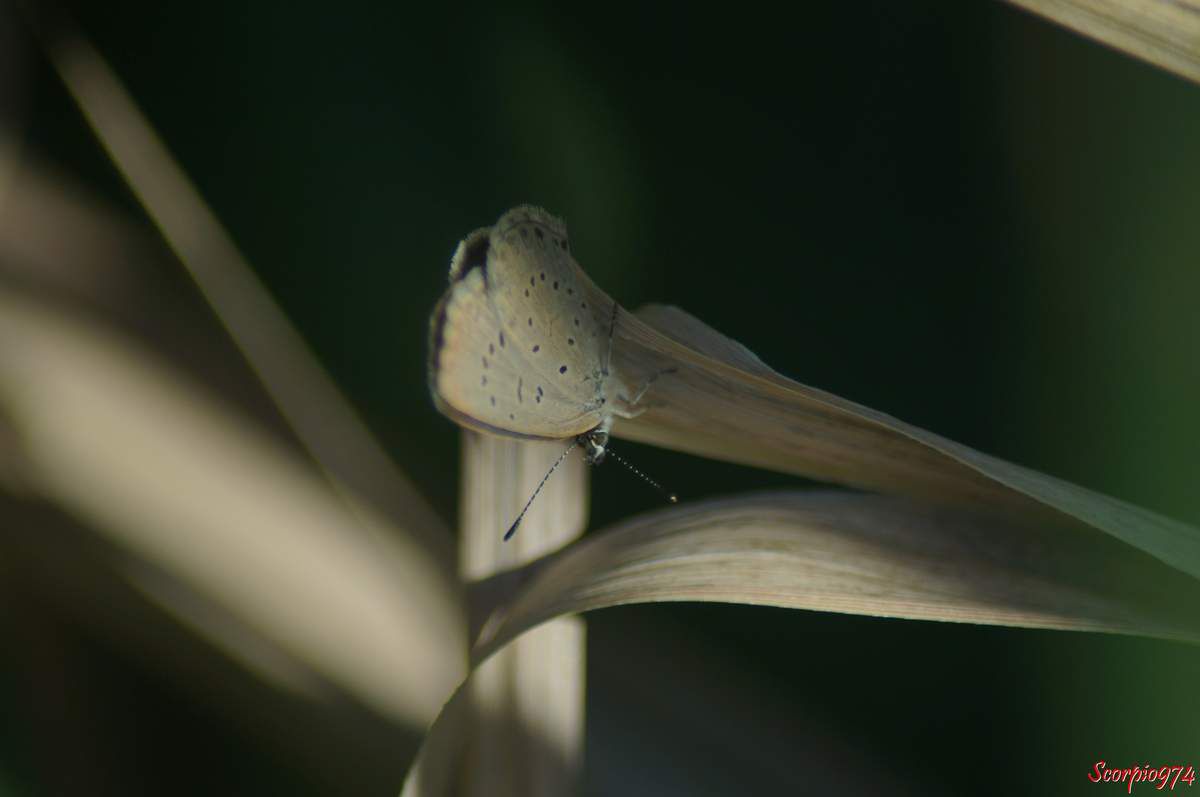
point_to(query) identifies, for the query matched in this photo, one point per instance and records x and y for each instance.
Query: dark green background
(951, 212)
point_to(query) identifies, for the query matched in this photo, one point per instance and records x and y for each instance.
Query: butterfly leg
(650, 382)
(631, 403)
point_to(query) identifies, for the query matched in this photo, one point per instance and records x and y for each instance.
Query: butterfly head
(595, 445)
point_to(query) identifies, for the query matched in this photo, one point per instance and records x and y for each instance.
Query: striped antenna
(513, 528)
(674, 499)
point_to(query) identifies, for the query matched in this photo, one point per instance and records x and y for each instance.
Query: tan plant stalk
(527, 720)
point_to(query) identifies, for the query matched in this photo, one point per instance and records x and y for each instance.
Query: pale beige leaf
(859, 554)
(835, 551)
(714, 398)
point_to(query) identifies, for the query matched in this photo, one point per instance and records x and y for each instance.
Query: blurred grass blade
(121, 442)
(716, 399)
(320, 415)
(844, 552)
(1165, 33)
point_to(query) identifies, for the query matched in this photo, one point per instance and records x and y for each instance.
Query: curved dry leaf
(716, 399)
(859, 554)
(836, 551)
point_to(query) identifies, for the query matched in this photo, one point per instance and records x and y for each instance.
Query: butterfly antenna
(674, 499)
(513, 528)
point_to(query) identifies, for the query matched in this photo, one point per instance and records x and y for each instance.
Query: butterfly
(521, 343)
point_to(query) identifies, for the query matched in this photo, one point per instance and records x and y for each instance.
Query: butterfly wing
(563, 323)
(483, 372)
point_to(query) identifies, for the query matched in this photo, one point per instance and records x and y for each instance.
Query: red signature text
(1164, 777)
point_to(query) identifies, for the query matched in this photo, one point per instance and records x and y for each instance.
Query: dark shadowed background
(951, 212)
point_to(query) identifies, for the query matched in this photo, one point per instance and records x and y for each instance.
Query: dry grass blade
(847, 552)
(858, 554)
(321, 417)
(102, 430)
(716, 399)
(1165, 33)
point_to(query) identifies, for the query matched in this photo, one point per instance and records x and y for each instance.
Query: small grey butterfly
(521, 342)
